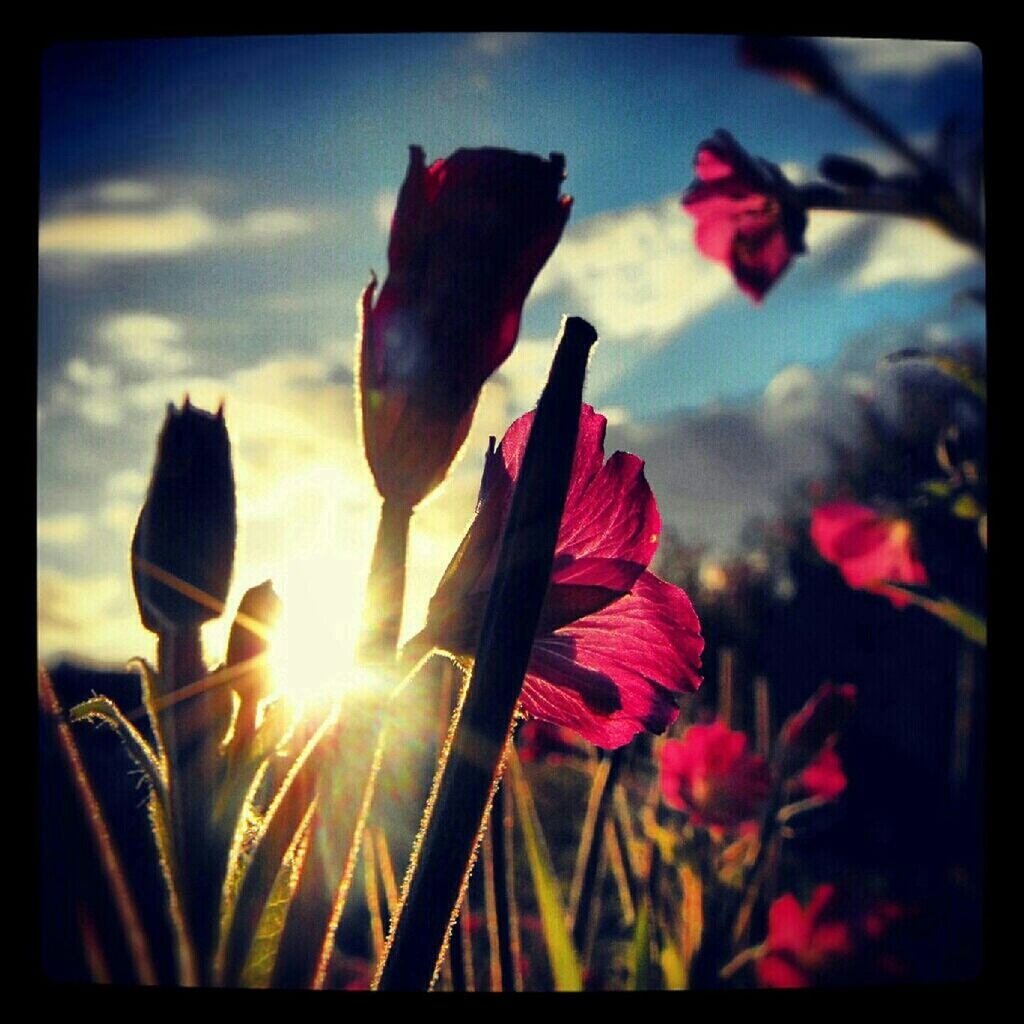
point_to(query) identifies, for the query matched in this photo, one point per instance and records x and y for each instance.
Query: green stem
(385, 591)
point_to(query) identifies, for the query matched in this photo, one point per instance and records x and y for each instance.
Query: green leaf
(970, 625)
(966, 507)
(259, 964)
(105, 710)
(640, 949)
(672, 968)
(565, 965)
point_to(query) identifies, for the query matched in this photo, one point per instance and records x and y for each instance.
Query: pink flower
(822, 779)
(469, 235)
(831, 942)
(712, 776)
(537, 740)
(805, 733)
(615, 644)
(869, 550)
(748, 215)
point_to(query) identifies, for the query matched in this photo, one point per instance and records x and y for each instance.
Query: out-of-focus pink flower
(805, 733)
(712, 776)
(615, 644)
(537, 740)
(823, 778)
(748, 215)
(468, 237)
(869, 549)
(831, 942)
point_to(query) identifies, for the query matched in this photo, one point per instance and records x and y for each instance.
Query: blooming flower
(712, 776)
(869, 550)
(748, 215)
(537, 740)
(828, 943)
(615, 644)
(469, 235)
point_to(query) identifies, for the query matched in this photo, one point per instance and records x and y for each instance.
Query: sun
(312, 647)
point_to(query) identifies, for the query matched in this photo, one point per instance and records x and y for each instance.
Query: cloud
(903, 57)
(70, 528)
(384, 208)
(498, 44)
(636, 275)
(145, 340)
(126, 192)
(111, 235)
(127, 482)
(91, 617)
(87, 375)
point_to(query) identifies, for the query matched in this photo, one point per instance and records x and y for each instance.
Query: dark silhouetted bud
(184, 543)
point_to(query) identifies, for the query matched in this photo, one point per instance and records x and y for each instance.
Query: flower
(870, 550)
(823, 779)
(712, 776)
(468, 238)
(537, 740)
(805, 733)
(615, 644)
(748, 215)
(833, 941)
(187, 525)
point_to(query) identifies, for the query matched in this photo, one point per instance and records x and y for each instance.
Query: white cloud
(911, 250)
(118, 235)
(498, 44)
(87, 375)
(89, 617)
(67, 529)
(384, 208)
(128, 482)
(121, 516)
(126, 192)
(146, 340)
(171, 231)
(635, 273)
(904, 57)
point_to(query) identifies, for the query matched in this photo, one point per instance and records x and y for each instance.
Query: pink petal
(613, 673)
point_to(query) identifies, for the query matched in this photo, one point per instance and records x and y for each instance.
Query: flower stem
(467, 777)
(591, 845)
(124, 903)
(385, 591)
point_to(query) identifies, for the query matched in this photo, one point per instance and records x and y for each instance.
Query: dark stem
(499, 862)
(465, 781)
(960, 221)
(385, 590)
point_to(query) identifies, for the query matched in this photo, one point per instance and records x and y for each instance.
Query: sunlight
(312, 651)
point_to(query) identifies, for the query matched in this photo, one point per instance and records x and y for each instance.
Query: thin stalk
(762, 717)
(591, 848)
(726, 682)
(502, 919)
(124, 903)
(387, 871)
(471, 767)
(373, 901)
(385, 591)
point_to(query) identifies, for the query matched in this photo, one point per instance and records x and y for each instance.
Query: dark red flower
(712, 776)
(469, 235)
(869, 549)
(537, 740)
(832, 942)
(805, 733)
(748, 215)
(615, 644)
(822, 779)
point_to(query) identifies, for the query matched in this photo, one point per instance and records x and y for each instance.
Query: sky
(210, 210)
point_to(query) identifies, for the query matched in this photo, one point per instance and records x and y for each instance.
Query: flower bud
(468, 238)
(805, 733)
(184, 543)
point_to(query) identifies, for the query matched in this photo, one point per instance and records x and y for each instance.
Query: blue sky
(210, 210)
